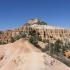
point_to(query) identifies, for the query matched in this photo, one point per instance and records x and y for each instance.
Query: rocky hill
(28, 47)
(35, 21)
(22, 55)
(41, 28)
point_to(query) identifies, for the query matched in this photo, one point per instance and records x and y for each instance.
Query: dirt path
(35, 61)
(24, 56)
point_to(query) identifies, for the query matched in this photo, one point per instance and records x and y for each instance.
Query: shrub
(12, 40)
(45, 49)
(38, 38)
(46, 41)
(31, 39)
(34, 41)
(57, 46)
(21, 35)
(17, 37)
(63, 49)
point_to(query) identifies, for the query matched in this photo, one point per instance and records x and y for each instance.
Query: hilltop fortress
(40, 28)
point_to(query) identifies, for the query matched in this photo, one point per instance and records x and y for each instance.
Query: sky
(15, 13)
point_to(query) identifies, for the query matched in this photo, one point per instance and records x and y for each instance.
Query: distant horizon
(15, 13)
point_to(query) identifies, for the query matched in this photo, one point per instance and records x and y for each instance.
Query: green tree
(46, 41)
(45, 49)
(57, 46)
(38, 38)
(63, 49)
(22, 35)
(31, 39)
(17, 37)
(12, 40)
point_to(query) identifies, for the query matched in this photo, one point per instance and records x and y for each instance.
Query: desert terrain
(22, 55)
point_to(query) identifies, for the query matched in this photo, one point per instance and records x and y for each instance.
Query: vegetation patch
(56, 50)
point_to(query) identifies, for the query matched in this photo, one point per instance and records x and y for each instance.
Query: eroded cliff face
(6, 36)
(1, 32)
(45, 31)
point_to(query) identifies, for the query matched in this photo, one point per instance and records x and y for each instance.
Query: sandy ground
(22, 55)
(41, 44)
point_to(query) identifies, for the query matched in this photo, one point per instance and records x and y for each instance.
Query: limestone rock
(45, 31)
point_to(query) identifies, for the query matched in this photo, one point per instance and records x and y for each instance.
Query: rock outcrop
(32, 21)
(45, 31)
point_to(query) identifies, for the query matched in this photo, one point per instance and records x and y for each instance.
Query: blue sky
(15, 13)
